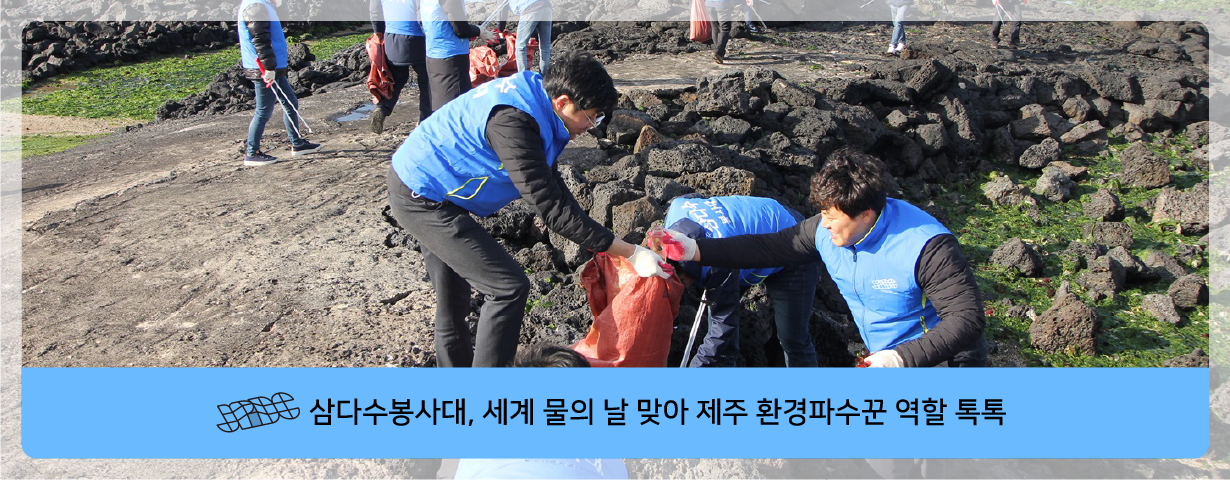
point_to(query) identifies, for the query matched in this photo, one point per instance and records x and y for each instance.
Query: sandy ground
(57, 125)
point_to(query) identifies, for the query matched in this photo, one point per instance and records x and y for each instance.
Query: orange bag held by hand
(700, 22)
(379, 79)
(633, 316)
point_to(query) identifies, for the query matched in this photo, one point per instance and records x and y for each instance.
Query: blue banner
(614, 413)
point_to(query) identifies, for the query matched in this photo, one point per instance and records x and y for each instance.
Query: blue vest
(519, 6)
(447, 156)
(401, 18)
(723, 217)
(247, 51)
(441, 41)
(876, 275)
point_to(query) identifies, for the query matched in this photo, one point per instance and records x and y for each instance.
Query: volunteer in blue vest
(909, 288)
(396, 22)
(448, 48)
(792, 288)
(533, 18)
(262, 44)
(490, 146)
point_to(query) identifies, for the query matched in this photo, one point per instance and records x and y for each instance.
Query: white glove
(269, 76)
(646, 263)
(486, 35)
(885, 359)
(996, 2)
(688, 244)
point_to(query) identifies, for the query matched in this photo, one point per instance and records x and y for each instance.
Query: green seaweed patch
(32, 145)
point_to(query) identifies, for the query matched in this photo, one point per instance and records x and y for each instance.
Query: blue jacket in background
(247, 51)
(441, 41)
(401, 17)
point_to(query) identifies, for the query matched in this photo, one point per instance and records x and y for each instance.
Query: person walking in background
(792, 289)
(479, 153)
(448, 37)
(898, 10)
(1011, 9)
(749, 17)
(262, 51)
(397, 24)
(721, 18)
(534, 18)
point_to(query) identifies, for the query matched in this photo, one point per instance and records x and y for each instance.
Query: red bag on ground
(633, 316)
(379, 79)
(700, 22)
(484, 65)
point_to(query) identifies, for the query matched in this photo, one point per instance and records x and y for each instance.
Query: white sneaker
(900, 47)
(891, 49)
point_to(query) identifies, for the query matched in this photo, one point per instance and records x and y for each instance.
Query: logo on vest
(884, 284)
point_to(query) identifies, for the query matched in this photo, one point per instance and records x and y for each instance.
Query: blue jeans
(537, 21)
(265, 98)
(898, 19)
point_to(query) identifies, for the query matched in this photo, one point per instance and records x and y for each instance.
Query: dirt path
(57, 125)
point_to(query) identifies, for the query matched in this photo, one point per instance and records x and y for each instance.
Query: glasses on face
(594, 122)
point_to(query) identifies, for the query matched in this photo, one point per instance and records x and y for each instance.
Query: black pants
(459, 254)
(400, 62)
(449, 78)
(719, 26)
(1014, 34)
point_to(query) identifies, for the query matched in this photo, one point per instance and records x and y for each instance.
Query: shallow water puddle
(364, 112)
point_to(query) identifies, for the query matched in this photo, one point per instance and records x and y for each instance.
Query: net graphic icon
(256, 412)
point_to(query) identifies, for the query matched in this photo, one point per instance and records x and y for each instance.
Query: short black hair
(851, 181)
(543, 355)
(583, 79)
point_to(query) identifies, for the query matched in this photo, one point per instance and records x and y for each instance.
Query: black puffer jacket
(258, 22)
(513, 135)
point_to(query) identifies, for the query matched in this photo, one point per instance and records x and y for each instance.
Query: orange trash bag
(484, 65)
(379, 79)
(700, 22)
(509, 66)
(633, 316)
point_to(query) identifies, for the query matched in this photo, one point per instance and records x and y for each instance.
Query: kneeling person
(792, 288)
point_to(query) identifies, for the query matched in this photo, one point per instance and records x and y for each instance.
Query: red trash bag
(510, 64)
(633, 316)
(700, 22)
(484, 65)
(379, 79)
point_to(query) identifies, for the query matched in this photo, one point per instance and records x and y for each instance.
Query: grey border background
(17, 13)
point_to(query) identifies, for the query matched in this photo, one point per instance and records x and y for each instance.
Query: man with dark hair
(396, 23)
(792, 288)
(543, 355)
(262, 51)
(497, 143)
(910, 290)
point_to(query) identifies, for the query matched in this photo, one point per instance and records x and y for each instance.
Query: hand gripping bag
(633, 316)
(379, 79)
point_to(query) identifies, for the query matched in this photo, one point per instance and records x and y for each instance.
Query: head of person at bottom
(543, 355)
(581, 91)
(850, 190)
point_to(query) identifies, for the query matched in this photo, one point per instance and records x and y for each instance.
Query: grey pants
(460, 254)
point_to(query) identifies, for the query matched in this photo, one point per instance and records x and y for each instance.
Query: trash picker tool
(700, 313)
